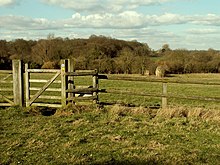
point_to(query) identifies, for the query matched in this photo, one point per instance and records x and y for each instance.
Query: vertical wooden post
(71, 78)
(18, 82)
(96, 85)
(164, 98)
(27, 85)
(64, 82)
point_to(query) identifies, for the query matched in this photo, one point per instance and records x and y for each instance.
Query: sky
(182, 24)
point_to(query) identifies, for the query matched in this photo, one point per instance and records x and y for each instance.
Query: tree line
(108, 55)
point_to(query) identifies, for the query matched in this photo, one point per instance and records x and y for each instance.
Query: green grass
(113, 135)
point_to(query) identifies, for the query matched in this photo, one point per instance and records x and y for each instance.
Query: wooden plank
(6, 99)
(161, 80)
(47, 105)
(164, 92)
(6, 77)
(5, 71)
(83, 90)
(5, 104)
(71, 67)
(48, 97)
(43, 81)
(6, 89)
(91, 73)
(64, 79)
(44, 88)
(82, 98)
(27, 85)
(18, 90)
(48, 89)
(43, 70)
(6, 81)
(168, 96)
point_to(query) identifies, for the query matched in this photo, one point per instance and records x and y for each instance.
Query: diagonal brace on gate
(43, 89)
(7, 99)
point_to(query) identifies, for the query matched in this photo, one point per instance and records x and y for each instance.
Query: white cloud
(8, 2)
(12, 22)
(101, 6)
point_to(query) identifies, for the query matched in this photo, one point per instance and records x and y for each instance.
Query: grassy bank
(112, 135)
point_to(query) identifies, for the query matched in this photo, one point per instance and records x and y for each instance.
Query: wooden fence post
(71, 78)
(27, 85)
(64, 82)
(164, 93)
(96, 85)
(18, 82)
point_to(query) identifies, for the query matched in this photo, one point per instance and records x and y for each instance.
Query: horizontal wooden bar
(48, 97)
(6, 104)
(161, 80)
(6, 81)
(6, 89)
(46, 105)
(81, 98)
(6, 71)
(43, 81)
(91, 73)
(43, 70)
(48, 89)
(82, 90)
(168, 96)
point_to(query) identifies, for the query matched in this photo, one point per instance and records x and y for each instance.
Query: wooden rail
(164, 94)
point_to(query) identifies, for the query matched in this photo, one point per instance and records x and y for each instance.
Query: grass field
(188, 132)
(112, 135)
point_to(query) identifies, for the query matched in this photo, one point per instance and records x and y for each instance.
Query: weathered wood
(18, 82)
(95, 86)
(5, 71)
(6, 99)
(161, 95)
(91, 73)
(164, 80)
(83, 90)
(71, 86)
(27, 85)
(164, 93)
(64, 84)
(47, 105)
(43, 81)
(43, 70)
(6, 89)
(6, 77)
(49, 97)
(43, 88)
(5, 104)
(48, 89)
(6, 81)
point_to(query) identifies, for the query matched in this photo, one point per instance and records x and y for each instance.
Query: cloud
(123, 20)
(203, 31)
(101, 6)
(12, 22)
(8, 2)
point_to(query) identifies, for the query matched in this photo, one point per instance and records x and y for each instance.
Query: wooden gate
(37, 86)
(11, 89)
(70, 91)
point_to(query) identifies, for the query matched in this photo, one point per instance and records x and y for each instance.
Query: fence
(60, 89)
(164, 95)
(41, 91)
(12, 90)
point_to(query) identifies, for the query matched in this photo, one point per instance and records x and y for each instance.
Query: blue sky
(188, 24)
